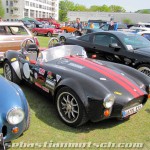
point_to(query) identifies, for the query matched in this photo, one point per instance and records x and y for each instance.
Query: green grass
(43, 40)
(46, 125)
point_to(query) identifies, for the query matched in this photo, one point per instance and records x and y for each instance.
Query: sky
(128, 5)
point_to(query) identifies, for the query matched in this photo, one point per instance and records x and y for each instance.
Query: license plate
(131, 111)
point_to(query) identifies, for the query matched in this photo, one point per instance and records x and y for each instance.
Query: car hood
(144, 51)
(9, 96)
(110, 77)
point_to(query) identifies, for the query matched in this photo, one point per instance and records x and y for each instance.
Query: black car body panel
(122, 54)
(92, 81)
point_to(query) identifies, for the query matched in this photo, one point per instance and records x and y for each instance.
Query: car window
(146, 35)
(17, 30)
(85, 38)
(105, 27)
(3, 31)
(105, 40)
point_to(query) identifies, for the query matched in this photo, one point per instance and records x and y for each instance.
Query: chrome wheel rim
(49, 34)
(68, 107)
(7, 72)
(62, 39)
(35, 33)
(52, 42)
(145, 70)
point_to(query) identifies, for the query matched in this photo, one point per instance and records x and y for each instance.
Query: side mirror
(33, 62)
(115, 46)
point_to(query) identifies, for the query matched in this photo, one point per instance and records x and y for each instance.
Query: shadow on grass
(45, 110)
(148, 111)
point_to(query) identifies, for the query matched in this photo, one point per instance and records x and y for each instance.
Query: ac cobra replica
(14, 112)
(83, 89)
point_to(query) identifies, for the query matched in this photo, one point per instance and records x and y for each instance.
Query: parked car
(120, 47)
(68, 29)
(83, 89)
(27, 24)
(46, 30)
(11, 36)
(14, 111)
(145, 34)
(97, 23)
(63, 36)
(36, 23)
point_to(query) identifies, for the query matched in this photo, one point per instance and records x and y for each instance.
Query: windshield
(133, 41)
(61, 51)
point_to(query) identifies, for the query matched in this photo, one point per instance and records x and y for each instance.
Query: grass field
(47, 127)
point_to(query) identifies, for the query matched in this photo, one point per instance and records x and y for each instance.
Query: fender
(12, 56)
(76, 87)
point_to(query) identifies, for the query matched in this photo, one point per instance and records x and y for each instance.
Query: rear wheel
(144, 68)
(9, 73)
(62, 39)
(35, 33)
(49, 34)
(70, 107)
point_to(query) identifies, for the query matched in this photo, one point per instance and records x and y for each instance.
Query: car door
(11, 37)
(101, 45)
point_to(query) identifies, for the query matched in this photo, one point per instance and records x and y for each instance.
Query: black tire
(77, 113)
(144, 68)
(49, 34)
(13, 77)
(35, 33)
(62, 39)
(65, 31)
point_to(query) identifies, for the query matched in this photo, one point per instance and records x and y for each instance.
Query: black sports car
(83, 89)
(126, 48)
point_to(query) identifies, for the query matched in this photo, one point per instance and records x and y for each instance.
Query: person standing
(78, 24)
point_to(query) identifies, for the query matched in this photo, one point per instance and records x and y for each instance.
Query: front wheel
(70, 107)
(9, 72)
(144, 68)
(49, 34)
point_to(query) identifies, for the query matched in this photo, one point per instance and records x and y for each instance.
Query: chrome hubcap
(7, 72)
(68, 107)
(145, 70)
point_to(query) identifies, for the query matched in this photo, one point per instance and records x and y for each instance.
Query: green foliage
(144, 11)
(66, 5)
(1, 9)
(127, 21)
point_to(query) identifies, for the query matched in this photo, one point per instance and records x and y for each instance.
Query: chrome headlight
(15, 116)
(109, 101)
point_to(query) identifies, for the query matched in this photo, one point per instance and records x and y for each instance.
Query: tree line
(66, 5)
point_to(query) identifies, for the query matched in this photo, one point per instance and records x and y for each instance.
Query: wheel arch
(75, 86)
(12, 57)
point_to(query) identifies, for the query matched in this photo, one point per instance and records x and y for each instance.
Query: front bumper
(96, 108)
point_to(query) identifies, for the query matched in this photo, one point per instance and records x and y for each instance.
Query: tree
(64, 7)
(115, 8)
(1, 9)
(127, 21)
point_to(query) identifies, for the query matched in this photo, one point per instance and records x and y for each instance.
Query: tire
(9, 73)
(35, 33)
(70, 108)
(49, 34)
(62, 39)
(144, 68)
(65, 31)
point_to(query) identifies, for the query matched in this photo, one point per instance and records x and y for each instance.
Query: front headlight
(15, 116)
(109, 101)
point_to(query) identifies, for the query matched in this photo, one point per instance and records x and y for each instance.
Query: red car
(46, 30)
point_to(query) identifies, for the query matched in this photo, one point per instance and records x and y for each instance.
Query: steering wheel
(52, 42)
(25, 43)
